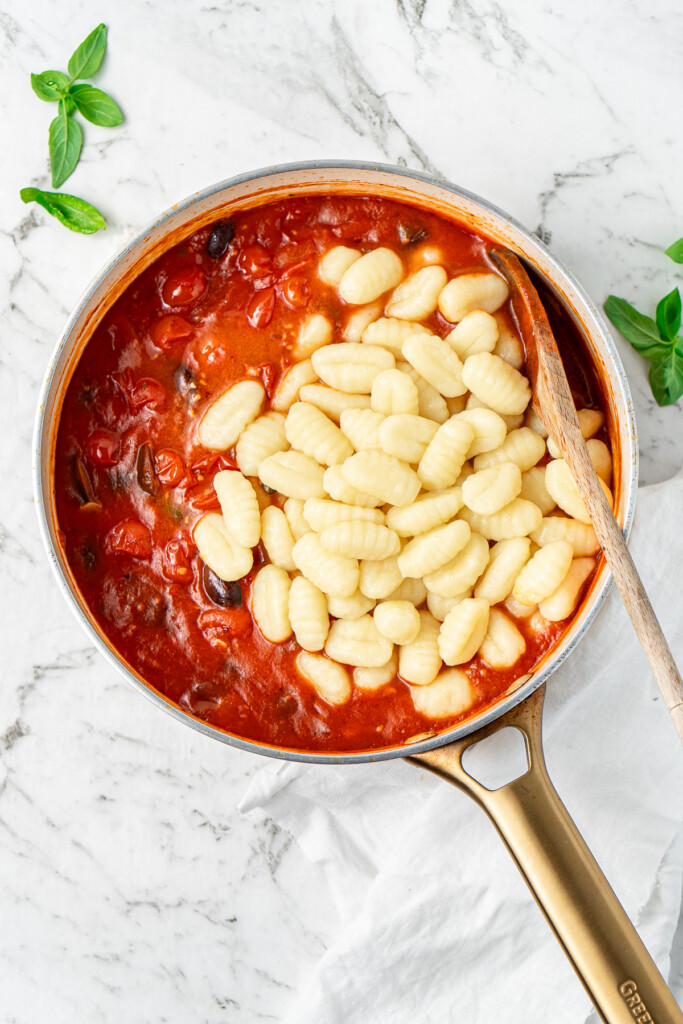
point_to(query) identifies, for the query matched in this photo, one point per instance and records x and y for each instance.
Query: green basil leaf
(95, 105)
(66, 141)
(669, 315)
(85, 60)
(666, 378)
(675, 251)
(640, 330)
(74, 213)
(50, 85)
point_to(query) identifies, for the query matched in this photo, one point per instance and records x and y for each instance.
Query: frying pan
(564, 878)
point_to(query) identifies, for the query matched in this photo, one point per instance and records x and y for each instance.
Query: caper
(224, 594)
(220, 238)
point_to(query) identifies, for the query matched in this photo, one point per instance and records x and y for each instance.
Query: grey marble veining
(130, 886)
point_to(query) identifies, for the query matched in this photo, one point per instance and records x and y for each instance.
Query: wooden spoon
(554, 405)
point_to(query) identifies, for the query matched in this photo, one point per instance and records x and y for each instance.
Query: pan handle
(565, 880)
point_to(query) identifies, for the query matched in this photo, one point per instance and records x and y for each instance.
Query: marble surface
(130, 886)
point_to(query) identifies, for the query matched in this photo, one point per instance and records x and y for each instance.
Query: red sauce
(131, 480)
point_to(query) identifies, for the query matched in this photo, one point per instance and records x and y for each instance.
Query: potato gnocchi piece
(293, 474)
(450, 694)
(462, 571)
(351, 368)
(489, 430)
(294, 512)
(311, 432)
(511, 422)
(277, 537)
(332, 402)
(361, 540)
(230, 414)
(543, 573)
(334, 574)
(358, 642)
(329, 679)
(509, 346)
(374, 472)
(379, 579)
(350, 607)
(441, 463)
(476, 332)
(264, 437)
(390, 333)
(490, 490)
(410, 589)
(314, 332)
(371, 276)
(534, 489)
(338, 488)
(521, 446)
(270, 603)
(496, 383)
(398, 621)
(518, 519)
(419, 661)
(335, 262)
(590, 421)
(581, 536)
(308, 614)
(374, 678)
(436, 362)
(562, 488)
(601, 458)
(406, 436)
(417, 296)
(426, 512)
(519, 611)
(463, 630)
(320, 513)
(361, 426)
(467, 292)
(503, 644)
(357, 321)
(432, 405)
(440, 606)
(429, 551)
(239, 506)
(219, 550)
(394, 392)
(289, 387)
(507, 558)
(532, 421)
(562, 602)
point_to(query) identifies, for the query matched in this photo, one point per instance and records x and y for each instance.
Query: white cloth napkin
(436, 923)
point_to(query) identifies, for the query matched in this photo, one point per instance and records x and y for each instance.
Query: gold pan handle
(591, 925)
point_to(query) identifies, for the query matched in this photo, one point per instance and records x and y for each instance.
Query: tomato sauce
(131, 479)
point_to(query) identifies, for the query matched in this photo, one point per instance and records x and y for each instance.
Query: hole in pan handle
(564, 877)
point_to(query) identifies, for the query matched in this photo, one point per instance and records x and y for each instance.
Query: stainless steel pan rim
(41, 456)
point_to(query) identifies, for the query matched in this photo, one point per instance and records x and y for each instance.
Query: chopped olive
(83, 486)
(410, 233)
(225, 595)
(87, 556)
(267, 489)
(185, 384)
(220, 238)
(144, 469)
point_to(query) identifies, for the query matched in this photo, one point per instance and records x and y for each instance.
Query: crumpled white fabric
(437, 924)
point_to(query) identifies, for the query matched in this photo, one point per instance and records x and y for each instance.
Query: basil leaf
(50, 85)
(675, 251)
(666, 377)
(95, 105)
(66, 140)
(74, 213)
(640, 330)
(86, 59)
(669, 315)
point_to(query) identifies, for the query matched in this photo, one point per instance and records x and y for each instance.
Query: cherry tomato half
(176, 562)
(260, 308)
(147, 391)
(131, 538)
(170, 468)
(102, 447)
(165, 332)
(295, 291)
(255, 261)
(184, 286)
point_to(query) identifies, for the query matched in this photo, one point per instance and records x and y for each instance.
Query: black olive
(410, 233)
(225, 595)
(220, 238)
(83, 486)
(144, 469)
(185, 384)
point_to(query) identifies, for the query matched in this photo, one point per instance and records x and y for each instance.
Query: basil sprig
(73, 95)
(657, 340)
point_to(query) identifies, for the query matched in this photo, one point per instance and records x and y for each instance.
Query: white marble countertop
(131, 887)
